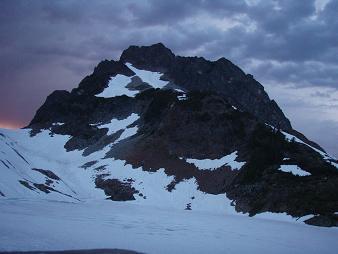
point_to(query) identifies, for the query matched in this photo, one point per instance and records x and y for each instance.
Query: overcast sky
(290, 46)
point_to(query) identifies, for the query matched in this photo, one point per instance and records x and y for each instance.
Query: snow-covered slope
(156, 220)
(75, 174)
(38, 225)
(39, 167)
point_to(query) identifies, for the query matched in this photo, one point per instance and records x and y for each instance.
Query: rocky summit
(160, 129)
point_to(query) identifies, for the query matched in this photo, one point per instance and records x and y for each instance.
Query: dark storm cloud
(155, 12)
(303, 74)
(282, 30)
(48, 45)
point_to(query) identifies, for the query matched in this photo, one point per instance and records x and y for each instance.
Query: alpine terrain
(159, 153)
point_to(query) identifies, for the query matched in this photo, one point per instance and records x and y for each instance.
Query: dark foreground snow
(28, 225)
(99, 251)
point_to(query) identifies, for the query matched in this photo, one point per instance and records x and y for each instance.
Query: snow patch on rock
(294, 169)
(152, 78)
(117, 87)
(209, 164)
(152, 186)
(282, 217)
(290, 138)
(116, 125)
(58, 124)
(182, 97)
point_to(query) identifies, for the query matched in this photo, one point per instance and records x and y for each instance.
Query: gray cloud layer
(47, 45)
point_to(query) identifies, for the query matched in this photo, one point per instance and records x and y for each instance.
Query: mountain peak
(155, 57)
(188, 121)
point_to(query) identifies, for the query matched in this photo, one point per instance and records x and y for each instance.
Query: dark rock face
(155, 57)
(56, 101)
(221, 76)
(203, 125)
(138, 84)
(47, 173)
(115, 189)
(26, 184)
(88, 164)
(4, 163)
(330, 220)
(96, 82)
(44, 187)
(74, 110)
(189, 73)
(260, 187)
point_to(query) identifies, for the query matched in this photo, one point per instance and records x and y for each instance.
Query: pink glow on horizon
(10, 125)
